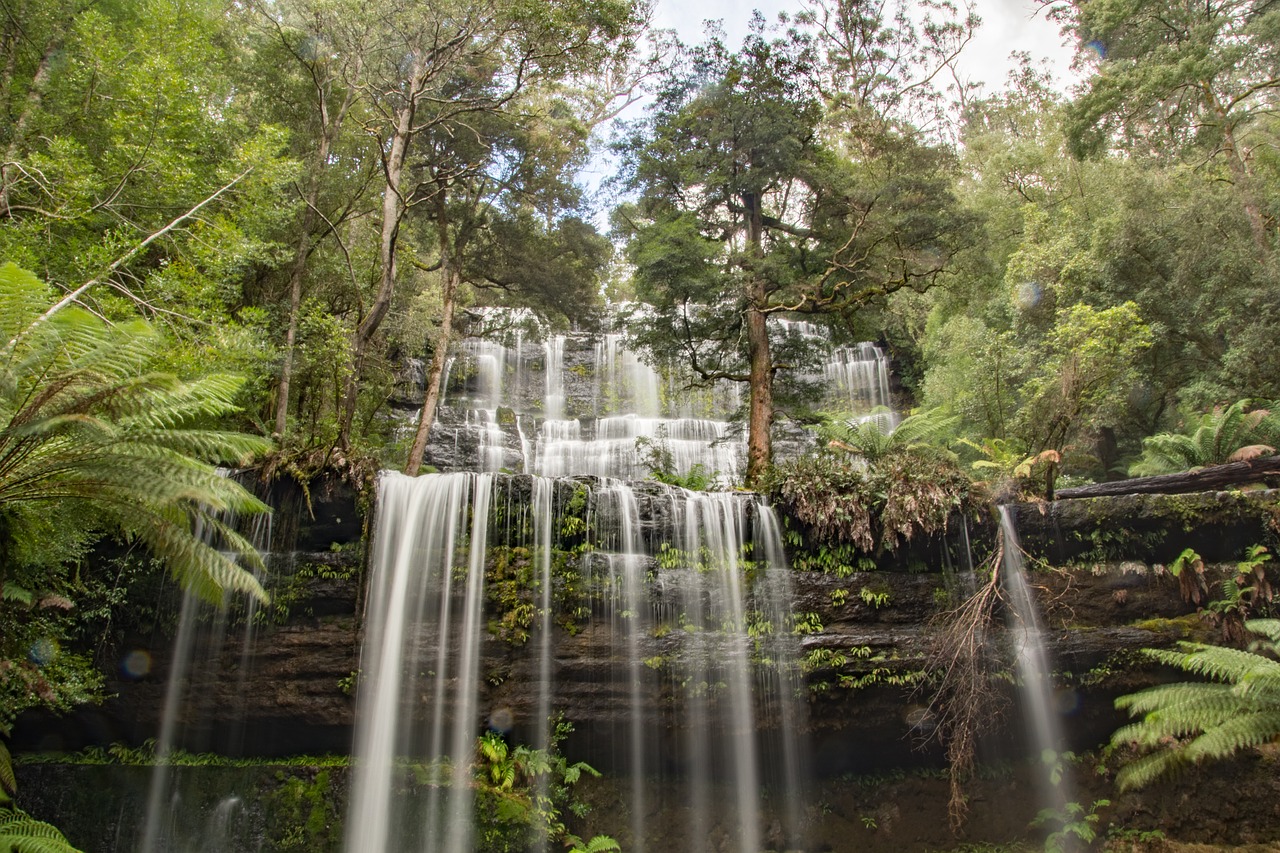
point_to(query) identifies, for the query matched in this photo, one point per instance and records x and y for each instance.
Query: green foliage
(1077, 827)
(304, 814)
(807, 623)
(21, 833)
(844, 499)
(874, 598)
(657, 457)
(1220, 436)
(598, 844)
(1185, 723)
(522, 793)
(923, 432)
(82, 424)
(1085, 379)
(1247, 593)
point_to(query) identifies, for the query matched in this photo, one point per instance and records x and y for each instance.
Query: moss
(1180, 627)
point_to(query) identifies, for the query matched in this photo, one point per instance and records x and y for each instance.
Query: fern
(82, 420)
(1216, 438)
(1186, 723)
(598, 844)
(922, 431)
(21, 833)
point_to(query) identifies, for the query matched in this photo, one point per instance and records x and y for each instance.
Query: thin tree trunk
(392, 212)
(451, 278)
(760, 382)
(115, 265)
(296, 275)
(35, 96)
(1241, 176)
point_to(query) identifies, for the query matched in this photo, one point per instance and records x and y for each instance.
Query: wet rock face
(862, 639)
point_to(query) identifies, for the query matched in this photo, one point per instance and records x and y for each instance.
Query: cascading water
(1044, 729)
(203, 630)
(681, 586)
(855, 379)
(687, 592)
(422, 643)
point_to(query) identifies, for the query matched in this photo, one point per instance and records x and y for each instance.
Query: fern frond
(1145, 769)
(8, 781)
(1269, 628)
(83, 420)
(1194, 695)
(1239, 732)
(21, 833)
(1216, 437)
(1239, 710)
(1218, 662)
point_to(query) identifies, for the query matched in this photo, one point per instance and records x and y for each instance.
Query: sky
(1007, 25)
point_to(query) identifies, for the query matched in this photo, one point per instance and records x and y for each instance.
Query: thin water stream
(1035, 678)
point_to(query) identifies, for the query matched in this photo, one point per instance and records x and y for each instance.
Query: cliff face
(285, 685)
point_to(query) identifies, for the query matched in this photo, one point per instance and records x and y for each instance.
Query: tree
(1086, 376)
(745, 211)
(1226, 434)
(1061, 233)
(728, 139)
(882, 65)
(1192, 80)
(299, 31)
(438, 65)
(497, 193)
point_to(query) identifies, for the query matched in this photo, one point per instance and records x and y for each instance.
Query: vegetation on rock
(1184, 723)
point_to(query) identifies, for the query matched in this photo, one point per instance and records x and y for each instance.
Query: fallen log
(1211, 478)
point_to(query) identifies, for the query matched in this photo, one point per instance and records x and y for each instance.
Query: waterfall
(854, 379)
(1044, 727)
(417, 647)
(186, 719)
(553, 407)
(683, 571)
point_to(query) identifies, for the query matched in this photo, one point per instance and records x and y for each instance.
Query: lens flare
(136, 664)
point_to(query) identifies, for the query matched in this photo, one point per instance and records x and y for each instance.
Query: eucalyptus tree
(1197, 82)
(882, 64)
(498, 197)
(440, 65)
(312, 83)
(745, 210)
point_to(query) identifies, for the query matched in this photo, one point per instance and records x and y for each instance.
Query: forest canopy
(307, 194)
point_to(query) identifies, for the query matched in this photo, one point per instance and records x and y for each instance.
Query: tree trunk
(1242, 178)
(296, 275)
(435, 375)
(329, 129)
(392, 212)
(760, 381)
(1212, 478)
(35, 96)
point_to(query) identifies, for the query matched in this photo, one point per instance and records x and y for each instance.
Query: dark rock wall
(1098, 566)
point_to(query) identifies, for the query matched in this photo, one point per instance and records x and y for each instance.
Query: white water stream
(1044, 723)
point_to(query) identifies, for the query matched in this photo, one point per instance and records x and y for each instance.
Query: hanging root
(965, 701)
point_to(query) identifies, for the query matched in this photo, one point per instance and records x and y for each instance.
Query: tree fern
(21, 833)
(922, 430)
(1218, 435)
(1186, 723)
(83, 421)
(598, 844)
